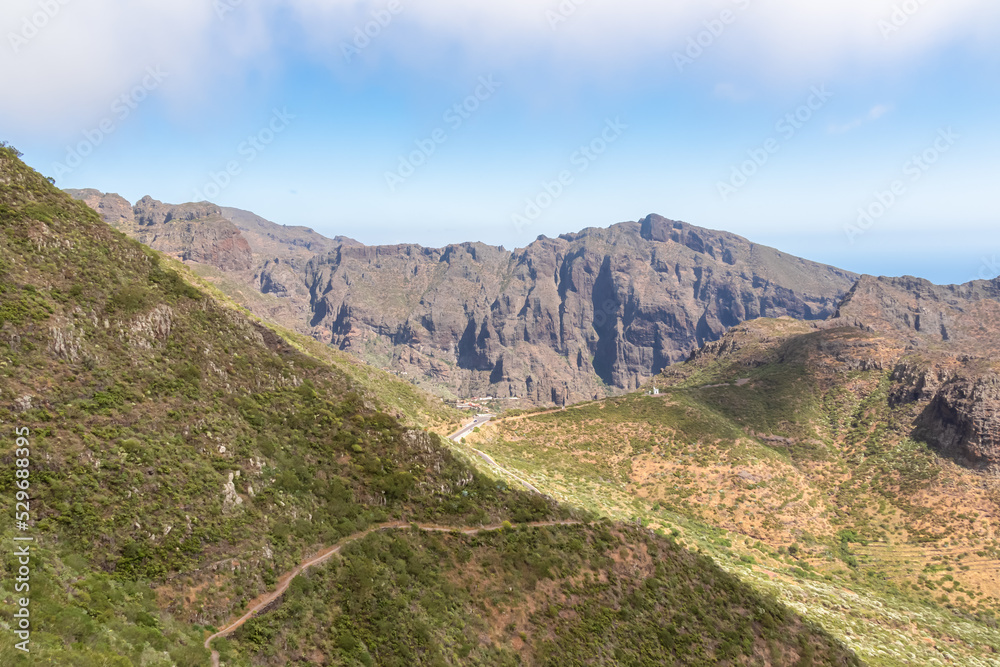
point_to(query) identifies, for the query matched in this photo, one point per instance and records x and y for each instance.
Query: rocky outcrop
(963, 422)
(959, 403)
(942, 390)
(915, 382)
(113, 209)
(191, 232)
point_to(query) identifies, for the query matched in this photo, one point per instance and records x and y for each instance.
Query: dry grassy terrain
(798, 476)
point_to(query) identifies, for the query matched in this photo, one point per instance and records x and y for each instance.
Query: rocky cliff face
(935, 316)
(562, 320)
(113, 209)
(963, 422)
(951, 368)
(191, 232)
(262, 262)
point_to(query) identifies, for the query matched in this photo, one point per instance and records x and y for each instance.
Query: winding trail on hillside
(267, 599)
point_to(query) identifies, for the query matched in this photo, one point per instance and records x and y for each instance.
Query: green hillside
(183, 457)
(169, 432)
(403, 400)
(551, 596)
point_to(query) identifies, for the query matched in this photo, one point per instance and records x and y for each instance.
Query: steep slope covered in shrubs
(183, 456)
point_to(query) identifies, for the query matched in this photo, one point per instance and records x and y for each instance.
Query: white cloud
(62, 69)
(873, 114)
(780, 36)
(89, 53)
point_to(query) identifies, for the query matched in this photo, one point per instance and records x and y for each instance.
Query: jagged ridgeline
(561, 320)
(184, 457)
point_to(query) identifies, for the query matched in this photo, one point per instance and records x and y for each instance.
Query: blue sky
(779, 120)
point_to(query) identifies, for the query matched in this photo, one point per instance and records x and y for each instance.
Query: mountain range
(186, 459)
(827, 439)
(564, 319)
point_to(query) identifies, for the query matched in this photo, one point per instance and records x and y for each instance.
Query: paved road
(262, 602)
(467, 429)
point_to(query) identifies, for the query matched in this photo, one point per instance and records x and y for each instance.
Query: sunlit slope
(783, 451)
